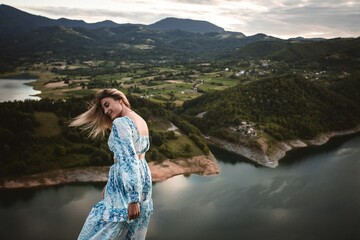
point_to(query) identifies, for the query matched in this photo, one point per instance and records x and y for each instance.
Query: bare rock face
(256, 154)
(56, 177)
(202, 165)
(262, 154)
(319, 140)
(297, 143)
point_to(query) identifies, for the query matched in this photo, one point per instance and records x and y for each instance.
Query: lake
(313, 194)
(16, 89)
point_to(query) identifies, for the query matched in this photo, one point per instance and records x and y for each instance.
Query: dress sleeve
(124, 151)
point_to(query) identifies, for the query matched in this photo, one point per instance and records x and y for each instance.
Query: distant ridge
(80, 23)
(299, 38)
(187, 25)
(12, 16)
(23, 34)
(14, 22)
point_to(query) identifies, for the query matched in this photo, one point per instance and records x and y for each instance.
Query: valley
(251, 92)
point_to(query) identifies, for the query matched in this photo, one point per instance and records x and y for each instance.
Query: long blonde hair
(94, 120)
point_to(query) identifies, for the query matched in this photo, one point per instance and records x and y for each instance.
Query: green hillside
(285, 107)
(332, 53)
(35, 137)
(261, 49)
(338, 53)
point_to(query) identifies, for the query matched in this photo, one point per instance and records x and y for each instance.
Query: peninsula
(261, 156)
(202, 165)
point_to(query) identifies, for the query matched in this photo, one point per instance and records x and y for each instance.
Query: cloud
(310, 19)
(281, 18)
(95, 15)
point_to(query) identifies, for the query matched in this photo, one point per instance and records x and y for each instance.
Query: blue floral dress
(129, 181)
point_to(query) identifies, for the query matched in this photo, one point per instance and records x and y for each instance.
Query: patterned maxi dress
(129, 181)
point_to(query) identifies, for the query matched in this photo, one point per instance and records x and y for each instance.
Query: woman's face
(112, 107)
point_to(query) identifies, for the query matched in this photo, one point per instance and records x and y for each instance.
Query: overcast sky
(279, 18)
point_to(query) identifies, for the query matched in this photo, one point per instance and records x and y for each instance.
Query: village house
(245, 128)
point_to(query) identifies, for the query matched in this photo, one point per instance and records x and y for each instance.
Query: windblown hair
(94, 120)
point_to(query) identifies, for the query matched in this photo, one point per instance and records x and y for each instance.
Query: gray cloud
(327, 19)
(330, 18)
(282, 18)
(76, 13)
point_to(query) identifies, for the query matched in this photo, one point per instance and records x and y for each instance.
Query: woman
(125, 210)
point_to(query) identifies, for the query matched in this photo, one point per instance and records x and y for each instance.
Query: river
(313, 194)
(16, 89)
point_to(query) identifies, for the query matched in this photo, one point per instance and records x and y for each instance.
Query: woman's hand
(133, 210)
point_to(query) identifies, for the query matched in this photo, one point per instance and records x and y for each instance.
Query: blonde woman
(124, 212)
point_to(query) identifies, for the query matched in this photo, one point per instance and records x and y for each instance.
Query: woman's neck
(126, 111)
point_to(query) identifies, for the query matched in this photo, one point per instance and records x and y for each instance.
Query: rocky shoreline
(202, 165)
(261, 154)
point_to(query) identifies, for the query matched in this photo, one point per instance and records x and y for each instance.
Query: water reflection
(315, 198)
(40, 212)
(16, 89)
(303, 154)
(293, 201)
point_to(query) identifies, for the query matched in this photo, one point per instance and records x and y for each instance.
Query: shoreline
(260, 156)
(202, 165)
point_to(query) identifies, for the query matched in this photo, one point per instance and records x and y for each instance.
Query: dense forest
(35, 137)
(285, 107)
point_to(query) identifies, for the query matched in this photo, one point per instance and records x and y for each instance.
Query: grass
(159, 125)
(178, 146)
(182, 90)
(113, 77)
(80, 92)
(48, 124)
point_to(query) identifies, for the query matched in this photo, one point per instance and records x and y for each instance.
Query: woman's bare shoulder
(140, 124)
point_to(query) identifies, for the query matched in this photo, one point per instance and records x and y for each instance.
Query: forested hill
(285, 107)
(35, 137)
(188, 25)
(335, 53)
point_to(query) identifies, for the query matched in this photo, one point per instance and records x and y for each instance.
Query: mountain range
(27, 38)
(284, 106)
(14, 23)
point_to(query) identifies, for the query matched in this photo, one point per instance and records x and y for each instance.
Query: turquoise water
(312, 194)
(15, 89)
